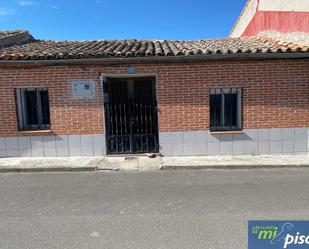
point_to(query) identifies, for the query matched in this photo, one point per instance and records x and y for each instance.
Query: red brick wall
(275, 94)
(68, 115)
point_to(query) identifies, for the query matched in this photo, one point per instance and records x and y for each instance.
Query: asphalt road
(159, 210)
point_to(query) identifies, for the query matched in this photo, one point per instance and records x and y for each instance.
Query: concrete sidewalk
(63, 164)
(235, 162)
(143, 163)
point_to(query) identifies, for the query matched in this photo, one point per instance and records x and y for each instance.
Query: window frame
(22, 117)
(222, 127)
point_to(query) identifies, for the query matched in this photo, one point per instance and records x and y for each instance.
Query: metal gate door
(131, 116)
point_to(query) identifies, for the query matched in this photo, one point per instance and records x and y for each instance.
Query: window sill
(226, 132)
(35, 131)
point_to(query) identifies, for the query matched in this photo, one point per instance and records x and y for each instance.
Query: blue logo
(278, 234)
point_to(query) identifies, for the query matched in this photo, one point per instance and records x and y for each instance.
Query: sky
(121, 19)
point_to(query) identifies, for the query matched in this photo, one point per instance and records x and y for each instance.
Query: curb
(231, 167)
(47, 170)
(164, 167)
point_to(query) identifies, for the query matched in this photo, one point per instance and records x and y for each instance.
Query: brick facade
(275, 94)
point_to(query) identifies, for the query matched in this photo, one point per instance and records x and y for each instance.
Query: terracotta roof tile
(48, 50)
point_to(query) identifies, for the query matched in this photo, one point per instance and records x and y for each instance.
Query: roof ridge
(138, 40)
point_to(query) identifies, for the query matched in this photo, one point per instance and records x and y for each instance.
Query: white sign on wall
(83, 88)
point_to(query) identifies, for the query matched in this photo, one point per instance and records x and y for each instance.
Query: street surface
(143, 210)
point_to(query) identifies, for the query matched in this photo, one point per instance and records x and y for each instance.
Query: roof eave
(244, 56)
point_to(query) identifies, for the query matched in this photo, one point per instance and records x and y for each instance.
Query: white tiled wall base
(53, 146)
(250, 142)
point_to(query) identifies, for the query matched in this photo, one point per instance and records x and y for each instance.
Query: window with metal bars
(226, 109)
(33, 108)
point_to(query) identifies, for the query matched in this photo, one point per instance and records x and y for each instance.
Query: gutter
(191, 58)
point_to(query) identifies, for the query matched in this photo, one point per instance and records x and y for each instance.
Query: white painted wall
(245, 18)
(284, 5)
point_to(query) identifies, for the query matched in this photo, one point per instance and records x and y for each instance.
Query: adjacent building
(284, 19)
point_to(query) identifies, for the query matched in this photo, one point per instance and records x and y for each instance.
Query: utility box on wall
(83, 88)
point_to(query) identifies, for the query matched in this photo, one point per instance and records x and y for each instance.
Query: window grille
(33, 108)
(225, 109)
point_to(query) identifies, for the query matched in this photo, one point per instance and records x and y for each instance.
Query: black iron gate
(131, 116)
